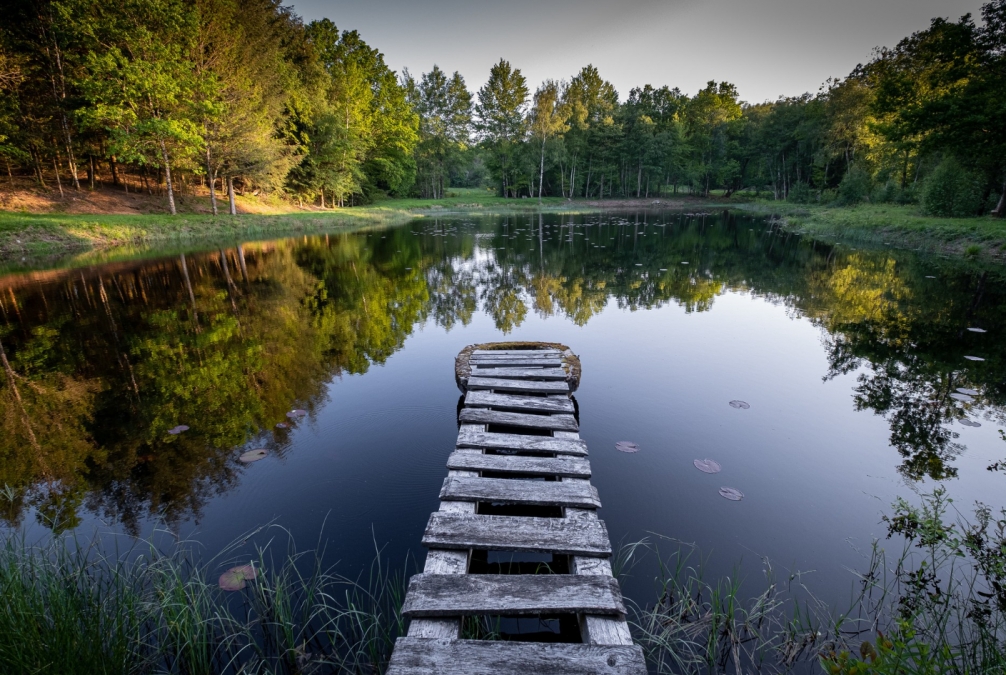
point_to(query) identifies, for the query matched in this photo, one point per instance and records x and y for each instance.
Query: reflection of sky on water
(659, 369)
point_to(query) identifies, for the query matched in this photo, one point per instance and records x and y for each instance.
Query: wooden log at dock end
(570, 361)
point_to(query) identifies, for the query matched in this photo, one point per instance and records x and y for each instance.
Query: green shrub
(799, 193)
(854, 188)
(952, 191)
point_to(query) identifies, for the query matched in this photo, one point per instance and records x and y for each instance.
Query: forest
(171, 96)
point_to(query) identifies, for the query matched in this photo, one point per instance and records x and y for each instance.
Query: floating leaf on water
(961, 397)
(296, 414)
(626, 446)
(253, 455)
(968, 423)
(974, 358)
(740, 405)
(639, 264)
(733, 494)
(977, 330)
(234, 579)
(684, 262)
(177, 430)
(663, 269)
(707, 465)
(282, 425)
(969, 392)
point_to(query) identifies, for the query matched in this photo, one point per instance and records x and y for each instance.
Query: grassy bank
(894, 225)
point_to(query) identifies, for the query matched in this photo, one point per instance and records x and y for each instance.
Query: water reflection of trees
(105, 362)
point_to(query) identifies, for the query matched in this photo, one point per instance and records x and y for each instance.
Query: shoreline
(28, 239)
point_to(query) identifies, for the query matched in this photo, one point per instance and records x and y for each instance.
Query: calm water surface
(847, 358)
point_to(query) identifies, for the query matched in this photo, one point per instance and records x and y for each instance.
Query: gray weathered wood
(468, 438)
(513, 373)
(488, 399)
(483, 657)
(533, 466)
(513, 533)
(516, 419)
(532, 492)
(518, 386)
(515, 362)
(436, 595)
(516, 352)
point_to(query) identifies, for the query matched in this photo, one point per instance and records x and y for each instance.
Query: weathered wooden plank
(517, 386)
(468, 438)
(436, 595)
(533, 466)
(520, 373)
(517, 533)
(515, 352)
(532, 492)
(488, 399)
(513, 361)
(483, 657)
(516, 419)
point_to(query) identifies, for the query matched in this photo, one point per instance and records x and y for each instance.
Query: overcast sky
(768, 48)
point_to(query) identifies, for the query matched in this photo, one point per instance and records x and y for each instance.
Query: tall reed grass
(938, 607)
(69, 608)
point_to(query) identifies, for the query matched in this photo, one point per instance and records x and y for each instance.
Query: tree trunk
(192, 295)
(59, 184)
(211, 178)
(230, 195)
(113, 165)
(167, 179)
(541, 169)
(1000, 210)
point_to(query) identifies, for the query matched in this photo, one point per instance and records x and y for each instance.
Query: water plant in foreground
(936, 608)
(70, 607)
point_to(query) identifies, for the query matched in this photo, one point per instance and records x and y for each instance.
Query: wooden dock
(518, 482)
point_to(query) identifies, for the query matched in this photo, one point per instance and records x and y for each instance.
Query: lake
(850, 362)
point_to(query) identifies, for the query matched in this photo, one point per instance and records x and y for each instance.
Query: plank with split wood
(514, 361)
(487, 399)
(469, 438)
(573, 467)
(547, 351)
(516, 419)
(518, 386)
(483, 657)
(520, 373)
(517, 533)
(530, 492)
(435, 595)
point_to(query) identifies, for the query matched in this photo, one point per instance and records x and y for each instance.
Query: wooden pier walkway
(518, 484)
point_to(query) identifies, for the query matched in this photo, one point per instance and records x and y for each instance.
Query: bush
(799, 193)
(952, 191)
(854, 188)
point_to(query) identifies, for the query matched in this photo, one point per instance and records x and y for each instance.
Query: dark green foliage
(952, 191)
(854, 188)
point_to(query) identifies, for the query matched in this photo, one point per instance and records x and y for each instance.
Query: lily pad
(684, 262)
(253, 455)
(977, 330)
(741, 405)
(707, 465)
(626, 446)
(968, 423)
(282, 425)
(177, 430)
(974, 358)
(235, 578)
(969, 392)
(961, 397)
(930, 276)
(733, 494)
(296, 414)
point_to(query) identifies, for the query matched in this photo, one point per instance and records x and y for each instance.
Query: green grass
(897, 225)
(68, 608)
